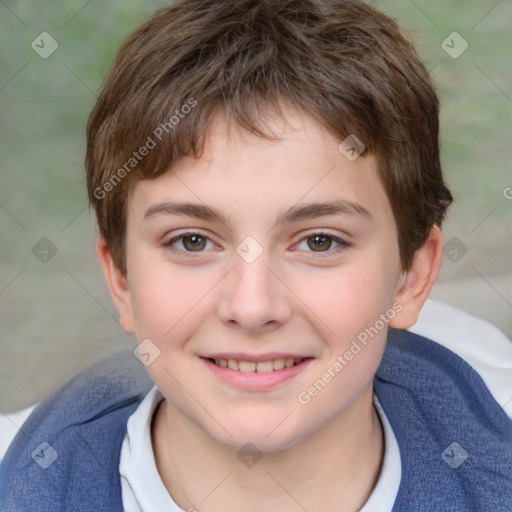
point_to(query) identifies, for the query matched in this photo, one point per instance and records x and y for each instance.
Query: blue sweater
(455, 440)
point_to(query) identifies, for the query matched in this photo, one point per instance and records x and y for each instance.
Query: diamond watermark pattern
(249, 249)
(44, 45)
(454, 45)
(45, 455)
(351, 147)
(146, 352)
(44, 250)
(454, 455)
(249, 455)
(455, 249)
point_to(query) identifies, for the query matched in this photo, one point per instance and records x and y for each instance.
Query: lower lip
(255, 380)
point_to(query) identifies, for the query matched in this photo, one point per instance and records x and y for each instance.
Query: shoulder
(102, 386)
(90, 389)
(78, 427)
(480, 344)
(443, 413)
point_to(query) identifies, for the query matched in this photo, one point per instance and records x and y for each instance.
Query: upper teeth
(251, 366)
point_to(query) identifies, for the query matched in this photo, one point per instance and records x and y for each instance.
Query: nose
(254, 297)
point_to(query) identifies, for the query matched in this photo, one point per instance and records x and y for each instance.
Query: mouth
(264, 374)
(257, 366)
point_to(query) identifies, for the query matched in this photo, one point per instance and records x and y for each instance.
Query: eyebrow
(293, 214)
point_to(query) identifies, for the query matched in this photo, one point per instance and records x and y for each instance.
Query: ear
(117, 285)
(416, 283)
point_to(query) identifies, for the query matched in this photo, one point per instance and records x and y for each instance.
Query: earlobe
(416, 283)
(117, 285)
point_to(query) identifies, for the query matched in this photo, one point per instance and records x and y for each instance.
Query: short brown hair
(341, 61)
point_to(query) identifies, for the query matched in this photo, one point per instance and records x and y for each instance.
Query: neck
(335, 468)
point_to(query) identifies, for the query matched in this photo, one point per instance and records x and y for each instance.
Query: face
(235, 259)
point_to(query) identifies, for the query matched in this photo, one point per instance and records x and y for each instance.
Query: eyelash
(343, 244)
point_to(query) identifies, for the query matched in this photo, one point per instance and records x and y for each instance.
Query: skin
(295, 297)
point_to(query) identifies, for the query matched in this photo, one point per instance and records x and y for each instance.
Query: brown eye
(322, 244)
(194, 242)
(186, 244)
(319, 242)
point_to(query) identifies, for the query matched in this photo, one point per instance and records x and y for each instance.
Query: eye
(322, 242)
(319, 243)
(190, 242)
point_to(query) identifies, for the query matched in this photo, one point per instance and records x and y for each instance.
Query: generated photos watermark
(144, 150)
(454, 455)
(342, 360)
(146, 352)
(352, 147)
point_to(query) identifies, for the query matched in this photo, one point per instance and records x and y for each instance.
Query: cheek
(350, 305)
(168, 305)
(350, 298)
(164, 299)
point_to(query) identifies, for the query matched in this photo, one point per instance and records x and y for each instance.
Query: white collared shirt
(144, 491)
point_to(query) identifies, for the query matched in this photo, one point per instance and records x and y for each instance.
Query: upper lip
(256, 358)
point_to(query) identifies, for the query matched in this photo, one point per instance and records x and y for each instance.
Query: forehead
(243, 177)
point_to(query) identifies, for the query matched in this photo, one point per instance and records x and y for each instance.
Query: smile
(259, 367)
(263, 375)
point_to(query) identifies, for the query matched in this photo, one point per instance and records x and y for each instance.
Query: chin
(266, 435)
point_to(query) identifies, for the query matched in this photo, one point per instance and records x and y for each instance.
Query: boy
(269, 196)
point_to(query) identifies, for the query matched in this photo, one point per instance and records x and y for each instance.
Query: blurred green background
(56, 316)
